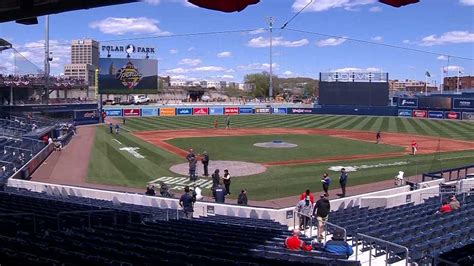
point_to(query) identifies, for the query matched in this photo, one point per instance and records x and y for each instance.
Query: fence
(391, 249)
(442, 173)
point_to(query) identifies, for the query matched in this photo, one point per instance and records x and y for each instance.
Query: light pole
(270, 89)
(46, 60)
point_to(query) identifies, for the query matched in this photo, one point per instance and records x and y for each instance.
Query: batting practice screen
(128, 76)
(353, 93)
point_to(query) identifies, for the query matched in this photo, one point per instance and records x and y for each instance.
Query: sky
(320, 39)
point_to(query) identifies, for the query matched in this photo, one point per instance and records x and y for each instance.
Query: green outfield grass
(443, 128)
(241, 148)
(110, 165)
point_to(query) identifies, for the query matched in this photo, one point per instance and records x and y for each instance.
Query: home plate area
(236, 168)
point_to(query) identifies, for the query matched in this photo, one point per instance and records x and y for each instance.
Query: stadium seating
(62, 231)
(418, 228)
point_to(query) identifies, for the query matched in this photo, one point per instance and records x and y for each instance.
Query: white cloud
(225, 77)
(230, 71)
(288, 73)
(257, 31)
(375, 9)
(330, 42)
(467, 2)
(135, 26)
(209, 69)
(153, 2)
(448, 38)
(175, 77)
(173, 51)
(377, 39)
(192, 48)
(224, 54)
(406, 41)
(442, 57)
(258, 66)
(323, 5)
(356, 69)
(180, 70)
(190, 62)
(261, 42)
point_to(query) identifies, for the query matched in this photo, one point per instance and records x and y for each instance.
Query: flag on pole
(428, 74)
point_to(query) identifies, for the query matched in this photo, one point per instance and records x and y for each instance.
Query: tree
(260, 83)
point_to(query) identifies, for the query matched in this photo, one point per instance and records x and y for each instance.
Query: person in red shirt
(414, 147)
(295, 243)
(307, 195)
(445, 208)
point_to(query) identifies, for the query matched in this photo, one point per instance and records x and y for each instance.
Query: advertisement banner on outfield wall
(184, 111)
(167, 111)
(279, 111)
(452, 115)
(262, 110)
(245, 110)
(301, 111)
(463, 103)
(113, 112)
(420, 113)
(231, 110)
(436, 114)
(468, 116)
(405, 113)
(131, 112)
(216, 111)
(408, 102)
(200, 111)
(150, 112)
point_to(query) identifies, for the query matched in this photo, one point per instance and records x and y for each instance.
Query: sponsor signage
(201, 111)
(131, 112)
(279, 110)
(129, 49)
(436, 114)
(420, 113)
(452, 115)
(231, 110)
(245, 110)
(468, 116)
(463, 103)
(184, 111)
(408, 102)
(86, 114)
(301, 111)
(113, 112)
(167, 111)
(216, 111)
(262, 110)
(405, 113)
(354, 76)
(150, 111)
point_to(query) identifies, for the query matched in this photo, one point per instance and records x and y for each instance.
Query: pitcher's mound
(275, 144)
(235, 168)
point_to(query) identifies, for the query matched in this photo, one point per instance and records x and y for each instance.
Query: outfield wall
(385, 198)
(199, 110)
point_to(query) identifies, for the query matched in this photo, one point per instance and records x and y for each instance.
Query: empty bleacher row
(63, 232)
(424, 233)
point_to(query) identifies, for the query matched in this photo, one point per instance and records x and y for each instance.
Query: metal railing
(335, 226)
(381, 242)
(84, 212)
(308, 222)
(23, 214)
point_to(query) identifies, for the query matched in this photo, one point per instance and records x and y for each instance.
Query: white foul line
(118, 141)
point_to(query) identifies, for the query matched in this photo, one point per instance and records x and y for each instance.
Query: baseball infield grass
(112, 166)
(427, 127)
(241, 148)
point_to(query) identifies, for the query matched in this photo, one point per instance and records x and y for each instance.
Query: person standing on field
(378, 137)
(414, 147)
(325, 180)
(226, 179)
(227, 122)
(205, 163)
(343, 181)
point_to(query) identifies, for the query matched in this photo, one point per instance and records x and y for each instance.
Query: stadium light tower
(270, 89)
(5, 45)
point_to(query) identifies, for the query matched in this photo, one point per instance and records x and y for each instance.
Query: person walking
(343, 181)
(219, 194)
(216, 123)
(227, 122)
(303, 208)
(117, 127)
(226, 179)
(242, 199)
(321, 212)
(325, 180)
(111, 127)
(378, 137)
(215, 181)
(307, 195)
(205, 163)
(187, 203)
(192, 169)
(414, 147)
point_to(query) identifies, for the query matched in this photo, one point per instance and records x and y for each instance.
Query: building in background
(465, 82)
(84, 60)
(407, 85)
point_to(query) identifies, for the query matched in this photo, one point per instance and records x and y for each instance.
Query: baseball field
(146, 148)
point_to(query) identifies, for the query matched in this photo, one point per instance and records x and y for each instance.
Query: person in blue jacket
(338, 245)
